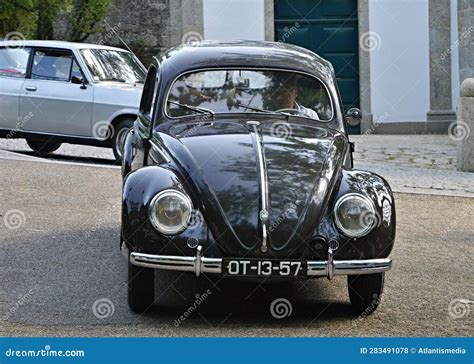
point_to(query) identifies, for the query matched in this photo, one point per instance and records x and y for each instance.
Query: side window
(13, 62)
(76, 73)
(149, 94)
(53, 65)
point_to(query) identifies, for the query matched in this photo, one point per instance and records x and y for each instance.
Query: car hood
(120, 85)
(118, 94)
(302, 162)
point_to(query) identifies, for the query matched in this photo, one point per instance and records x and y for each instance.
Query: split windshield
(249, 91)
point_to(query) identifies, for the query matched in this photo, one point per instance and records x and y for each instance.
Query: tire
(43, 147)
(141, 284)
(118, 139)
(365, 292)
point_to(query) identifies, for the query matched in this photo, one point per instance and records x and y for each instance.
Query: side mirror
(353, 116)
(79, 81)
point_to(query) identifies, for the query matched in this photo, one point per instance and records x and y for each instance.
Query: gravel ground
(63, 257)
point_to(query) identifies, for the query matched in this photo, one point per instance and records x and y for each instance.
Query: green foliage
(85, 18)
(47, 11)
(36, 18)
(17, 16)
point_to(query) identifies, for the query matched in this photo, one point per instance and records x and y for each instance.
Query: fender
(378, 243)
(139, 235)
(127, 155)
(121, 112)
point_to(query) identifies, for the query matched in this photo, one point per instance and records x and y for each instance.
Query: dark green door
(328, 28)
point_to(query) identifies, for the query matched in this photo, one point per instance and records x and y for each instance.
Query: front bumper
(200, 264)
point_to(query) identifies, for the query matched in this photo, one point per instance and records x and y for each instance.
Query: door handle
(31, 88)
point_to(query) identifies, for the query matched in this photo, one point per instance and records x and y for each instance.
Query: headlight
(170, 211)
(355, 215)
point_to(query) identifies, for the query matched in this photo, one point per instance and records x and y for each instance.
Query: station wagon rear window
(247, 91)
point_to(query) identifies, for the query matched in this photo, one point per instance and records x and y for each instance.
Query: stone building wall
(144, 25)
(466, 38)
(147, 26)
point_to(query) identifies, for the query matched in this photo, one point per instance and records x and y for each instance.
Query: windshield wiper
(202, 110)
(263, 110)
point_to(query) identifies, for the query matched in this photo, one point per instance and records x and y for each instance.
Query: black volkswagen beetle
(239, 165)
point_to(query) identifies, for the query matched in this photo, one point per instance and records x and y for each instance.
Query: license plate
(264, 268)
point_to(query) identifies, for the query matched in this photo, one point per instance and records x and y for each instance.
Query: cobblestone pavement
(419, 151)
(414, 163)
(411, 163)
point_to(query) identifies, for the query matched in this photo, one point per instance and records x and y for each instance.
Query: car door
(54, 103)
(13, 66)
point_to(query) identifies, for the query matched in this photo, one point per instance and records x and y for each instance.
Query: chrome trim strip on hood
(263, 215)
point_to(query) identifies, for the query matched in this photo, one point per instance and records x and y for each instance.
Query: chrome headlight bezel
(372, 220)
(154, 220)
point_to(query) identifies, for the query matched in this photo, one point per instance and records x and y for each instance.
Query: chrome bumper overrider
(199, 264)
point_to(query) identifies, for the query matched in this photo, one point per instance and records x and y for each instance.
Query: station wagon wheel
(365, 292)
(141, 285)
(120, 134)
(43, 147)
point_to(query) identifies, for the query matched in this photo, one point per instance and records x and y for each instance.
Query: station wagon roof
(250, 54)
(55, 44)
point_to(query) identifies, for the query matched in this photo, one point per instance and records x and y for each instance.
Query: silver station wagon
(54, 92)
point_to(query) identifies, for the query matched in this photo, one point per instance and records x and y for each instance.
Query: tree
(36, 18)
(86, 18)
(47, 12)
(17, 16)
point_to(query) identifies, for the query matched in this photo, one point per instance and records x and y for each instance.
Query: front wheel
(41, 147)
(141, 288)
(120, 133)
(365, 292)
